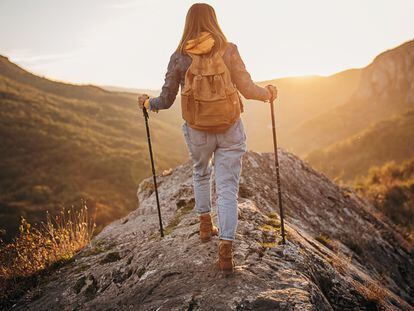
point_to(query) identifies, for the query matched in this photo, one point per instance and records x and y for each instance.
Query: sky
(129, 42)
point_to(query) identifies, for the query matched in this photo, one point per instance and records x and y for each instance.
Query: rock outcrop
(390, 77)
(340, 254)
(385, 90)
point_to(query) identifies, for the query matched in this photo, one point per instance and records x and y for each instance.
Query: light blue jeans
(227, 149)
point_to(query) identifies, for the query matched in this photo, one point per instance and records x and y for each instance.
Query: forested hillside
(62, 144)
(388, 140)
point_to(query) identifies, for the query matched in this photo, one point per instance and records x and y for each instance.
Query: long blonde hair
(202, 17)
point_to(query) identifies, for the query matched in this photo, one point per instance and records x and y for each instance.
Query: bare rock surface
(340, 254)
(390, 76)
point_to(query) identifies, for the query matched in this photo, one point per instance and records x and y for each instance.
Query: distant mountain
(61, 143)
(386, 88)
(119, 89)
(300, 99)
(388, 140)
(81, 92)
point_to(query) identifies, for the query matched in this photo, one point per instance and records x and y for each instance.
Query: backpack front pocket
(212, 113)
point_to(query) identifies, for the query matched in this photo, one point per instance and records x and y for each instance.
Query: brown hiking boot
(226, 262)
(207, 229)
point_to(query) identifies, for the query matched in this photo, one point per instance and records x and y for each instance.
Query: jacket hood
(201, 45)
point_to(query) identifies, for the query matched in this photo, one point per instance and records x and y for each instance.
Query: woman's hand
(143, 101)
(272, 92)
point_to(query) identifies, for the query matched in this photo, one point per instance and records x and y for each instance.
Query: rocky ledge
(340, 253)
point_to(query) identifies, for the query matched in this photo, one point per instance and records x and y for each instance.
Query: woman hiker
(210, 72)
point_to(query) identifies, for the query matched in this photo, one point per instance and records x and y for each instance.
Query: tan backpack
(209, 100)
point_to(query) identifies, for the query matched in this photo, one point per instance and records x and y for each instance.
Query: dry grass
(391, 189)
(36, 249)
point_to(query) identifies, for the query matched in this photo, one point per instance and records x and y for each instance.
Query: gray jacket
(179, 64)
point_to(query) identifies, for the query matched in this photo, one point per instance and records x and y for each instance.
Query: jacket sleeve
(170, 88)
(242, 79)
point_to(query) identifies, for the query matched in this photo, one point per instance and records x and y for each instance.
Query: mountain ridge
(80, 91)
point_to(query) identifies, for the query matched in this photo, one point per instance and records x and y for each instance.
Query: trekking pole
(279, 192)
(146, 117)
